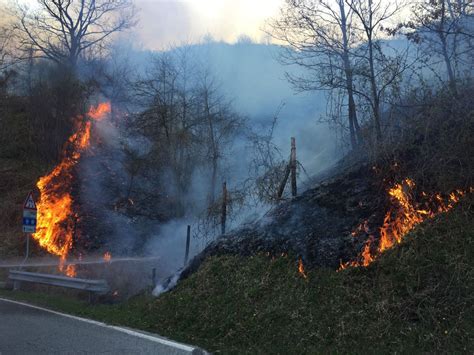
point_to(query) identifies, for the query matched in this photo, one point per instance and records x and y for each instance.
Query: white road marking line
(120, 329)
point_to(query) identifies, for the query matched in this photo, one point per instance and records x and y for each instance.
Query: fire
(367, 257)
(401, 219)
(301, 268)
(71, 270)
(56, 217)
(107, 257)
(98, 113)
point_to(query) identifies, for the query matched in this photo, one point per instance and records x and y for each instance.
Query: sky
(164, 22)
(170, 22)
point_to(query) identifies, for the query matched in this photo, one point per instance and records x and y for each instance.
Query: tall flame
(56, 218)
(404, 215)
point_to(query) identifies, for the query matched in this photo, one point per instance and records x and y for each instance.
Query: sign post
(29, 220)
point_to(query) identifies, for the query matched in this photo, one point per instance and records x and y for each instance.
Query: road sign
(30, 202)
(29, 215)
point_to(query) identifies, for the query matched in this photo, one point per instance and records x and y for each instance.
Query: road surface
(26, 329)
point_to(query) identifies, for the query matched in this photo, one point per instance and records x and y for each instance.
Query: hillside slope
(417, 298)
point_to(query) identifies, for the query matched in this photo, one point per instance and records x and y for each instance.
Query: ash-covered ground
(316, 225)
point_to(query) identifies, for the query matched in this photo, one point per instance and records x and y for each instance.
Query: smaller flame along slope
(404, 215)
(56, 216)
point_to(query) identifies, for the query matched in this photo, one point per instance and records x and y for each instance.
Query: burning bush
(56, 213)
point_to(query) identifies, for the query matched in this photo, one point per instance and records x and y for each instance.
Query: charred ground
(330, 223)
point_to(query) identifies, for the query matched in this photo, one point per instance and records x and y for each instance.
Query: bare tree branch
(63, 29)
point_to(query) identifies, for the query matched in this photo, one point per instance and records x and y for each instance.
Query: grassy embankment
(417, 298)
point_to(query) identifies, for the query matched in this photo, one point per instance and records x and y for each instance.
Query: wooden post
(283, 183)
(224, 207)
(290, 168)
(153, 277)
(293, 167)
(188, 241)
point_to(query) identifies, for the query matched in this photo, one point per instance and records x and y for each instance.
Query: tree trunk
(373, 84)
(214, 152)
(212, 191)
(444, 45)
(354, 128)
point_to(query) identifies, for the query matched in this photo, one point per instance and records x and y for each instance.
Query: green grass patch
(417, 298)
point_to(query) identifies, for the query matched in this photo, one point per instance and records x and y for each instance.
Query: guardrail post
(16, 285)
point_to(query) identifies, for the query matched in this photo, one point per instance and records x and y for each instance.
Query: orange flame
(100, 112)
(71, 270)
(301, 268)
(401, 219)
(56, 219)
(107, 257)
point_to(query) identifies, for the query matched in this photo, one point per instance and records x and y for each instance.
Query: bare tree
(319, 36)
(6, 59)
(219, 125)
(372, 16)
(166, 122)
(189, 122)
(61, 30)
(267, 166)
(6, 51)
(443, 29)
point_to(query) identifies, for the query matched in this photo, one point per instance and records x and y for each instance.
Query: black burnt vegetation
(429, 142)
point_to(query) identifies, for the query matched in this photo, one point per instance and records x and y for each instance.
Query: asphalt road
(28, 330)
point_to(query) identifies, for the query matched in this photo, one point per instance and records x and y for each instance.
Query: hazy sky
(171, 22)
(168, 21)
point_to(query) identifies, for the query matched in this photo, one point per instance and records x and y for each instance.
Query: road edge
(133, 332)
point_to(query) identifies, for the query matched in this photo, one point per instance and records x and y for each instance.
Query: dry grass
(432, 142)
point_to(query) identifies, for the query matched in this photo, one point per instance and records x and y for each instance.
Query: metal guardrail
(96, 286)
